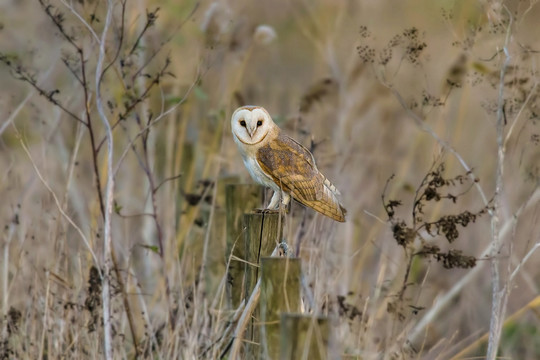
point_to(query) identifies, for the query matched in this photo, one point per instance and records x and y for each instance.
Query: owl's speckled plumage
(275, 160)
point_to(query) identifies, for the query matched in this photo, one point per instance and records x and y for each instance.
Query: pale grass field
(369, 121)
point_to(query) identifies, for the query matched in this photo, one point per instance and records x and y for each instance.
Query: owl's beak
(251, 130)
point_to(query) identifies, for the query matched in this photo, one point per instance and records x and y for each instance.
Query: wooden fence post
(280, 292)
(304, 337)
(239, 199)
(217, 244)
(263, 233)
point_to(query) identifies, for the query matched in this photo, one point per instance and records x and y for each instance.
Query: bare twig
(120, 41)
(20, 73)
(425, 127)
(56, 200)
(524, 260)
(163, 182)
(15, 112)
(499, 298)
(442, 302)
(151, 17)
(138, 100)
(109, 194)
(152, 123)
(78, 16)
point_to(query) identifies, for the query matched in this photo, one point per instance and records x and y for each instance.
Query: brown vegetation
(115, 147)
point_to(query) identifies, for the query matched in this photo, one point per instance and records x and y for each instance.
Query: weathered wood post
(280, 292)
(263, 233)
(239, 199)
(304, 337)
(217, 244)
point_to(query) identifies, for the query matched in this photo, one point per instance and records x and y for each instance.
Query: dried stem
(109, 194)
(499, 298)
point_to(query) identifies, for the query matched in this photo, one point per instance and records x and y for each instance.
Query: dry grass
(376, 88)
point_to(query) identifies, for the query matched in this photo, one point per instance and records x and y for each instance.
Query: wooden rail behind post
(304, 337)
(239, 199)
(280, 292)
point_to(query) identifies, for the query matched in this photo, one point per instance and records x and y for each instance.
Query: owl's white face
(251, 124)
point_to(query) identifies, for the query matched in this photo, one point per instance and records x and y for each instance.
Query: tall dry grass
(375, 88)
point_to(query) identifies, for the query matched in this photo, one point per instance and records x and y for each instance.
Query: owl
(277, 161)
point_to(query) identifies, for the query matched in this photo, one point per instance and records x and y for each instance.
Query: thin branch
(120, 41)
(498, 305)
(518, 115)
(109, 195)
(137, 101)
(90, 126)
(145, 65)
(442, 302)
(83, 21)
(170, 178)
(151, 17)
(155, 121)
(58, 19)
(524, 260)
(151, 182)
(72, 71)
(144, 164)
(15, 112)
(56, 200)
(181, 101)
(22, 74)
(134, 215)
(425, 127)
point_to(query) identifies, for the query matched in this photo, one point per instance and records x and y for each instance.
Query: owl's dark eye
(259, 123)
(243, 123)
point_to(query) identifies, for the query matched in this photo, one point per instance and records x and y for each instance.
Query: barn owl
(275, 160)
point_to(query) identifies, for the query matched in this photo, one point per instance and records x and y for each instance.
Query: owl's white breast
(258, 174)
(249, 156)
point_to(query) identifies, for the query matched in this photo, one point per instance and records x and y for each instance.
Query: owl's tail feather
(331, 187)
(328, 204)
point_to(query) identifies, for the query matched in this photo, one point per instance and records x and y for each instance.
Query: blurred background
(373, 88)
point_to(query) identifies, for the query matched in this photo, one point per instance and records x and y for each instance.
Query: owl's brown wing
(293, 168)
